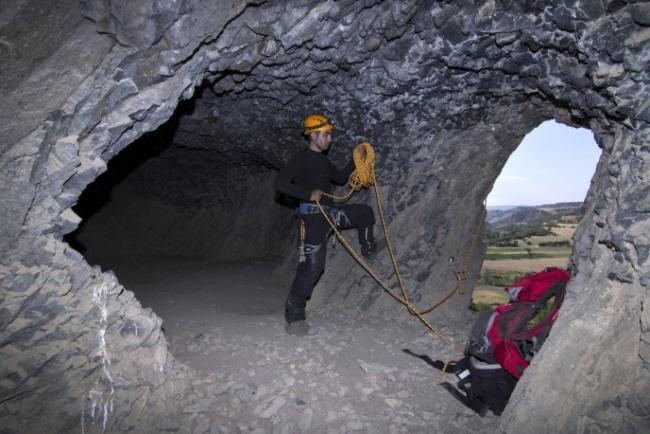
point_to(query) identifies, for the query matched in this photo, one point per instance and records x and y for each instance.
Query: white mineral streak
(101, 395)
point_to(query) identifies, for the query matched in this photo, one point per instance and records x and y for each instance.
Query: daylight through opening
(535, 206)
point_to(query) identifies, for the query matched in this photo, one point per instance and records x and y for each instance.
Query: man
(307, 177)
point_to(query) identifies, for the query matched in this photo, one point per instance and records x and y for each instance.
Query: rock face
(445, 91)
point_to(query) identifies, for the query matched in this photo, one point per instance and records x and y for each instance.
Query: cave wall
(444, 90)
(598, 330)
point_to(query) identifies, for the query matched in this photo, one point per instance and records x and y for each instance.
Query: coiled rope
(362, 177)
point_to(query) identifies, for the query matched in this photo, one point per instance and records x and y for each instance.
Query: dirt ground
(349, 374)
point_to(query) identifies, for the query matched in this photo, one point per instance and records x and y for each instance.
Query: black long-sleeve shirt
(309, 170)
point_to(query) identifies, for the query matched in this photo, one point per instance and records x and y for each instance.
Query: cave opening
(444, 90)
(181, 191)
(535, 207)
(189, 221)
(187, 218)
(554, 163)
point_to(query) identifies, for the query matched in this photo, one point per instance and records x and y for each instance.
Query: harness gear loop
(364, 176)
(301, 241)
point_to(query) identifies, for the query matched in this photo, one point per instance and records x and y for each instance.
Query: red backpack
(504, 340)
(517, 330)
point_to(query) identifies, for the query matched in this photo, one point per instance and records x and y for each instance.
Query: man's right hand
(361, 150)
(316, 195)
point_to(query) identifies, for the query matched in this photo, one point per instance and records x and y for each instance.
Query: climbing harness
(339, 217)
(362, 177)
(306, 208)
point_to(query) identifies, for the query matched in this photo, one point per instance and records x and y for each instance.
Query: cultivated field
(505, 264)
(525, 265)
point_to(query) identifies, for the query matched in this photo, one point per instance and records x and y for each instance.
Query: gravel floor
(349, 374)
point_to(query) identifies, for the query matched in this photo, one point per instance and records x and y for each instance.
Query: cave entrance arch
(461, 64)
(535, 206)
(139, 179)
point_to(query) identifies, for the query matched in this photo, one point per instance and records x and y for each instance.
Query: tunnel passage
(444, 90)
(192, 225)
(183, 191)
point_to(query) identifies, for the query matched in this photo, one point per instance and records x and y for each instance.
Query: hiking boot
(297, 328)
(368, 249)
(367, 242)
(294, 310)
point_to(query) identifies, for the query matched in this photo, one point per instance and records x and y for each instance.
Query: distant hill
(501, 207)
(524, 215)
(517, 216)
(564, 208)
(505, 226)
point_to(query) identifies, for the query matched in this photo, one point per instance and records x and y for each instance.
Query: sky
(554, 163)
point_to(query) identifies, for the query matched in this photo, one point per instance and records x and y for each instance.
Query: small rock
(376, 368)
(268, 409)
(331, 416)
(393, 403)
(262, 390)
(198, 407)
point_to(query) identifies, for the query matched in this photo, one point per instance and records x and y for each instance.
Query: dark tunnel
(180, 192)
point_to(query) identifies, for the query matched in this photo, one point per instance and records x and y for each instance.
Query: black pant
(316, 232)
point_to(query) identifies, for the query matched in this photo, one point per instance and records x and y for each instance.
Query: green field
(503, 265)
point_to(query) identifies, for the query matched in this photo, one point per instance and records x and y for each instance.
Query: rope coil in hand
(363, 175)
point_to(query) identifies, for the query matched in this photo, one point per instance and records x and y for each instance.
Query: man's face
(322, 140)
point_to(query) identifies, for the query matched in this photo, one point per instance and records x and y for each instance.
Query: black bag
(485, 386)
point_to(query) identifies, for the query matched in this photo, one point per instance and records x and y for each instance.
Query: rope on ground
(443, 371)
(362, 177)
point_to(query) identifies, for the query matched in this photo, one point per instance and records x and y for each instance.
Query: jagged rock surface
(444, 90)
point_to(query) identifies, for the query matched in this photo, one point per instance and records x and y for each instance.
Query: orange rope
(364, 176)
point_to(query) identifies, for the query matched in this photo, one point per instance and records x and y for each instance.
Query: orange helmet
(317, 122)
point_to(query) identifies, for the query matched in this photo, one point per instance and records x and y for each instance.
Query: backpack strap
(541, 329)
